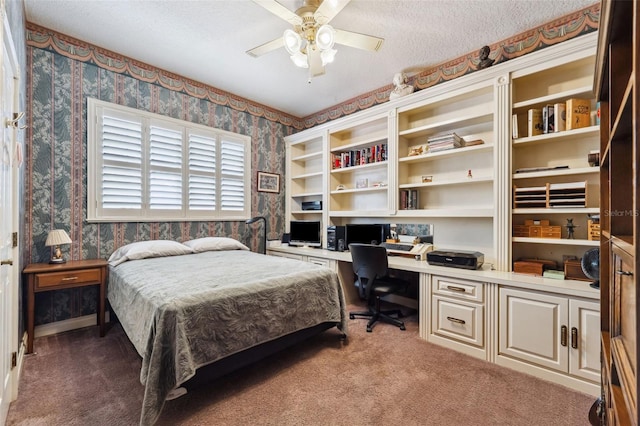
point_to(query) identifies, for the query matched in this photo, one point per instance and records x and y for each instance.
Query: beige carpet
(388, 377)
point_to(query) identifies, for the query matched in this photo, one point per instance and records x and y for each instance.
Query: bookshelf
(551, 176)
(616, 85)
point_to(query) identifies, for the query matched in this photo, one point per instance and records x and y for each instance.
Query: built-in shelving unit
(305, 176)
(359, 176)
(616, 85)
(553, 158)
(365, 165)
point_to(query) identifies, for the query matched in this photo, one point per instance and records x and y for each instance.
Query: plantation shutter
(144, 167)
(121, 181)
(232, 176)
(202, 172)
(165, 168)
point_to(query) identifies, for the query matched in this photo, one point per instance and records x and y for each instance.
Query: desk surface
(485, 274)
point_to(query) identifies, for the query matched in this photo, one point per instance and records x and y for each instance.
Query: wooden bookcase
(616, 85)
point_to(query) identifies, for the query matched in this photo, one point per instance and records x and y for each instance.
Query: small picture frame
(362, 183)
(268, 182)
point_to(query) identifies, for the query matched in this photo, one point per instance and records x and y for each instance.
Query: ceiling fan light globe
(300, 60)
(292, 41)
(325, 37)
(328, 56)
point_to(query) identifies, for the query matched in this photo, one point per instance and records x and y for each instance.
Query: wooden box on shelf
(593, 230)
(573, 270)
(533, 266)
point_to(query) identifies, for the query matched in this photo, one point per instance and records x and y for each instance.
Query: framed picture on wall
(268, 182)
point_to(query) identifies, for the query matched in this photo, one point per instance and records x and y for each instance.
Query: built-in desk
(542, 326)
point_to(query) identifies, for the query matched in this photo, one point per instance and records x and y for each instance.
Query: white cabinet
(458, 318)
(550, 331)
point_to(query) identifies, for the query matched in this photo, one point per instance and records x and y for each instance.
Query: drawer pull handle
(625, 273)
(69, 278)
(574, 338)
(456, 320)
(6, 262)
(454, 288)
(563, 335)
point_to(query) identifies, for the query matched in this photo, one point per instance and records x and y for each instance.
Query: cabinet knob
(563, 335)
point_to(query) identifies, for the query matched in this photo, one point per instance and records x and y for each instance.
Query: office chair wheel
(402, 327)
(351, 316)
(369, 329)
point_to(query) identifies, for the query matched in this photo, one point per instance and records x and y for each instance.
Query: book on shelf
(559, 117)
(534, 122)
(473, 142)
(444, 142)
(547, 119)
(409, 199)
(514, 126)
(539, 169)
(578, 113)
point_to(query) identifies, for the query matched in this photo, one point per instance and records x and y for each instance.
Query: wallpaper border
(564, 28)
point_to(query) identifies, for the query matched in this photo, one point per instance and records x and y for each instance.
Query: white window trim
(96, 110)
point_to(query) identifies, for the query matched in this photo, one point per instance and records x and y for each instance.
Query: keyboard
(397, 246)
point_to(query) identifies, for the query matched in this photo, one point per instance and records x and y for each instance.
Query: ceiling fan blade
(315, 63)
(280, 11)
(328, 10)
(266, 48)
(359, 41)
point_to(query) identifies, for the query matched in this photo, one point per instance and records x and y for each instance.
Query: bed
(211, 305)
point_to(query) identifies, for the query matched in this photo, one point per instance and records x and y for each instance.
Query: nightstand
(72, 274)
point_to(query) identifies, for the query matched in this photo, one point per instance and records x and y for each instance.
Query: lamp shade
(57, 237)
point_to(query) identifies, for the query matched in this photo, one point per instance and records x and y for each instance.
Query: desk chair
(370, 265)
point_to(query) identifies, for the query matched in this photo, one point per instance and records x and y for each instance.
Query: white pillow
(145, 249)
(214, 244)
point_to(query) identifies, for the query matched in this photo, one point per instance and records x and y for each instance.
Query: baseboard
(17, 371)
(67, 325)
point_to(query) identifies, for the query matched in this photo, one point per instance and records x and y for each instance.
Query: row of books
(572, 114)
(359, 157)
(409, 199)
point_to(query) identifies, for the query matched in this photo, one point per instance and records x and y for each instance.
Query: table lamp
(56, 238)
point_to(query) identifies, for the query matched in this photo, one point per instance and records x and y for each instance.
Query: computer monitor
(305, 233)
(366, 233)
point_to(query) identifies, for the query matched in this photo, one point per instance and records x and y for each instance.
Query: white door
(8, 223)
(584, 318)
(534, 327)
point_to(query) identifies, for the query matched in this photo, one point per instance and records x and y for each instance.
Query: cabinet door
(533, 327)
(584, 356)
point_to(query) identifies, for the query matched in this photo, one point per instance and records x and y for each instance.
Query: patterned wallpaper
(62, 72)
(58, 87)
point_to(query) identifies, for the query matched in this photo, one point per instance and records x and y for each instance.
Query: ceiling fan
(310, 43)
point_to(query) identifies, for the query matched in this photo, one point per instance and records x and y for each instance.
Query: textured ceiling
(206, 40)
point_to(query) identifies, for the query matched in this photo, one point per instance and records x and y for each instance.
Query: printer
(456, 258)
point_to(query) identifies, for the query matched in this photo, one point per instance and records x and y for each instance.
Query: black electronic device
(286, 237)
(336, 238)
(305, 233)
(373, 233)
(590, 265)
(312, 205)
(456, 258)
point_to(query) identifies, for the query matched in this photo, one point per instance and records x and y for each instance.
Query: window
(147, 167)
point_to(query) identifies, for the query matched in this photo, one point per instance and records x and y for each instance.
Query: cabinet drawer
(319, 261)
(467, 290)
(287, 255)
(53, 279)
(458, 320)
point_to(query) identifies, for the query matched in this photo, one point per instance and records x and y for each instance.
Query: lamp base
(60, 260)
